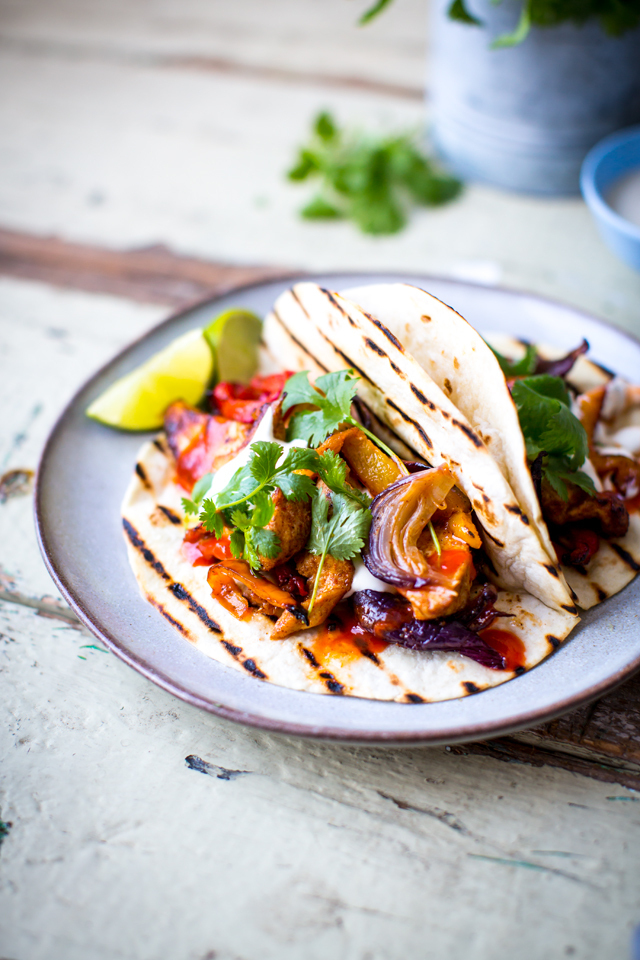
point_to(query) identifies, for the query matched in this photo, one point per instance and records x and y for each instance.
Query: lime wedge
(182, 371)
(234, 337)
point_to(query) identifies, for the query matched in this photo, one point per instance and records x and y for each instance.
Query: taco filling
(283, 526)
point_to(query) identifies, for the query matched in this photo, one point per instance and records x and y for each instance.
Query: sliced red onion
(400, 514)
(562, 366)
(389, 617)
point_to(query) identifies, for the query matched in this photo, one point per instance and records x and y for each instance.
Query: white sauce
(624, 197)
(363, 580)
(264, 431)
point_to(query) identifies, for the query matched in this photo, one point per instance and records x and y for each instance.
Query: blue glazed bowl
(609, 160)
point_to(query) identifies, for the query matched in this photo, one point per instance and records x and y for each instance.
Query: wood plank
(148, 275)
(298, 42)
(601, 740)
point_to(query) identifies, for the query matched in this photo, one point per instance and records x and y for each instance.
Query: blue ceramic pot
(524, 117)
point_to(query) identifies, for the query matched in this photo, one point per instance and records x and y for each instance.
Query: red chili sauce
(342, 639)
(507, 644)
(633, 504)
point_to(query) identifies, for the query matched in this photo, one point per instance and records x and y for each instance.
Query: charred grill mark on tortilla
(495, 540)
(386, 331)
(475, 439)
(519, 671)
(513, 508)
(158, 444)
(142, 475)
(625, 557)
(414, 698)
(423, 400)
(308, 654)
(233, 650)
(569, 607)
(169, 514)
(347, 359)
(330, 297)
(408, 419)
(552, 570)
(172, 620)
(137, 542)
(381, 353)
(602, 594)
(295, 296)
(553, 641)
(447, 382)
(332, 684)
(181, 593)
(252, 667)
(471, 687)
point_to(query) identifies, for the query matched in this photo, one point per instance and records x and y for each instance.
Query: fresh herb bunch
(367, 180)
(246, 507)
(551, 430)
(332, 395)
(616, 16)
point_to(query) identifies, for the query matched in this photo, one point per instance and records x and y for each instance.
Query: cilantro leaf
(333, 404)
(263, 509)
(341, 536)
(200, 488)
(266, 542)
(211, 518)
(263, 460)
(237, 544)
(296, 486)
(517, 368)
(546, 420)
(549, 427)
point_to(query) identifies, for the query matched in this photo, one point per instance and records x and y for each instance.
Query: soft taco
(344, 529)
(564, 431)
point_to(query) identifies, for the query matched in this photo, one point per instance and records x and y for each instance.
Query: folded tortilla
(318, 330)
(154, 527)
(458, 359)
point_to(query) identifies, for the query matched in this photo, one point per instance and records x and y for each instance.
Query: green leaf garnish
(371, 181)
(332, 395)
(192, 506)
(549, 427)
(517, 368)
(342, 535)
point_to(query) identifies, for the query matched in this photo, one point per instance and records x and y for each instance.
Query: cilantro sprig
(245, 506)
(369, 180)
(341, 535)
(332, 397)
(551, 430)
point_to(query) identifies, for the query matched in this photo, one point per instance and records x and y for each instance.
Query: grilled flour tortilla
(461, 363)
(314, 330)
(154, 530)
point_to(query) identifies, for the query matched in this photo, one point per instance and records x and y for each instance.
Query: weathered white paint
(125, 151)
(118, 849)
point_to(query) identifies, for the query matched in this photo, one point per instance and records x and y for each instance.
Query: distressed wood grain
(150, 275)
(601, 740)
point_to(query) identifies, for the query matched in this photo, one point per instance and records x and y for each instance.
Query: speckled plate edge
(480, 724)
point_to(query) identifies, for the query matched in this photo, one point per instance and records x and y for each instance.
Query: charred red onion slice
(400, 514)
(389, 617)
(562, 366)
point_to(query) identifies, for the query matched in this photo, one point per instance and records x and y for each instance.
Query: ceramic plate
(86, 467)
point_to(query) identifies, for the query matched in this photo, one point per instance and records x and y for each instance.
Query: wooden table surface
(141, 168)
